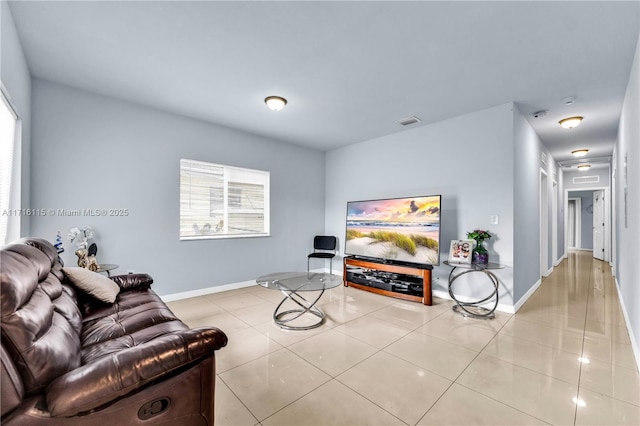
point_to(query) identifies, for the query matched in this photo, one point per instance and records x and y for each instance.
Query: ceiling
(350, 70)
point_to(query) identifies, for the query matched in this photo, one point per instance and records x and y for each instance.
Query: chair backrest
(324, 242)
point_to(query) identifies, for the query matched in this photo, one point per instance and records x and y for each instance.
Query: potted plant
(480, 253)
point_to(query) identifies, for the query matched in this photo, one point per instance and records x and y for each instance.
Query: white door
(598, 224)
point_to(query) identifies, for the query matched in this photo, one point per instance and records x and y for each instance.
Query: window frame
(225, 199)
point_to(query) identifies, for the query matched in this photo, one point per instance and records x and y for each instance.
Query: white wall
(15, 76)
(95, 152)
(468, 159)
(627, 196)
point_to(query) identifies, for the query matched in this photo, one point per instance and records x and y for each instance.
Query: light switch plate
(494, 219)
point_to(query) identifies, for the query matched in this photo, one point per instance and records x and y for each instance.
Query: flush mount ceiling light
(580, 152)
(583, 167)
(570, 122)
(275, 103)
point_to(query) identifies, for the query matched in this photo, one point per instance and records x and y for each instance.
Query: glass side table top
(299, 281)
(476, 266)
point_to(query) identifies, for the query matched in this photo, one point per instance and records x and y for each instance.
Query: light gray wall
(586, 218)
(468, 159)
(16, 78)
(526, 205)
(95, 152)
(627, 267)
(602, 173)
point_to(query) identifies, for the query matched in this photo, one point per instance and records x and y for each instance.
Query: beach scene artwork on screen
(398, 229)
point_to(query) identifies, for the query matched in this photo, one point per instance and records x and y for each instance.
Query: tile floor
(381, 361)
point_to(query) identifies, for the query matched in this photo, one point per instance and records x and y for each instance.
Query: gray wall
(95, 152)
(602, 173)
(468, 159)
(526, 206)
(16, 78)
(586, 218)
(627, 267)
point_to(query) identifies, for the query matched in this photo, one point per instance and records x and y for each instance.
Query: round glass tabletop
(299, 281)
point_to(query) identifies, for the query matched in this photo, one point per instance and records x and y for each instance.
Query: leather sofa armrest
(95, 384)
(133, 281)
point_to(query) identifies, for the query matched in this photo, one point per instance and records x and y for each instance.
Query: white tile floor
(379, 361)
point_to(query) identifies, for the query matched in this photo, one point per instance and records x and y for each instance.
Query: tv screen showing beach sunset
(398, 229)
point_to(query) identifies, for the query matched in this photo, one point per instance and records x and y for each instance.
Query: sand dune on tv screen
(369, 247)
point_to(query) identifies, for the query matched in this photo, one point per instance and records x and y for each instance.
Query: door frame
(596, 224)
(577, 223)
(545, 270)
(607, 217)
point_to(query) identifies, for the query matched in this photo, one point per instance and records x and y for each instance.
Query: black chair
(324, 247)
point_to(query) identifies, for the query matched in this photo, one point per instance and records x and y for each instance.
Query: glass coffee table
(291, 284)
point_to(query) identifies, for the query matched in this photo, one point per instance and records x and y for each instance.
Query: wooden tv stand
(380, 277)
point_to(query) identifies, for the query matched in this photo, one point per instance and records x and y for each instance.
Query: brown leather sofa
(70, 359)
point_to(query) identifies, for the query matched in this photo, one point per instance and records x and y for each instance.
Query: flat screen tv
(396, 230)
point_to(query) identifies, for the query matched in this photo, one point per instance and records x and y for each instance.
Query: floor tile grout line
(577, 402)
(237, 397)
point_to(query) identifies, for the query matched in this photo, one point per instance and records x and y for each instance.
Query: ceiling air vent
(586, 179)
(408, 120)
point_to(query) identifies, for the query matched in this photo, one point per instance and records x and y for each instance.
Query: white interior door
(598, 224)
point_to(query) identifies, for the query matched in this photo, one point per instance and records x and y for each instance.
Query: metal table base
(474, 309)
(283, 318)
(291, 284)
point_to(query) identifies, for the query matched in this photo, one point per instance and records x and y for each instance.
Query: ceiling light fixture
(570, 122)
(275, 103)
(580, 152)
(583, 167)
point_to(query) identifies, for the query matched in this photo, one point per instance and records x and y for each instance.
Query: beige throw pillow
(98, 286)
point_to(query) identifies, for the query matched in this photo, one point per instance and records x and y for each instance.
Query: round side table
(474, 309)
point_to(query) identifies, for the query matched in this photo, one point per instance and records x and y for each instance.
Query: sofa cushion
(41, 341)
(92, 283)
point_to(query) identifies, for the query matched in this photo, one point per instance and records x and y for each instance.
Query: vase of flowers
(480, 253)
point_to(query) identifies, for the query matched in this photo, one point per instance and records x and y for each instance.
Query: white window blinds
(218, 201)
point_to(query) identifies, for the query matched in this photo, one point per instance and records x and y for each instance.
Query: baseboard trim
(632, 337)
(204, 291)
(225, 287)
(527, 295)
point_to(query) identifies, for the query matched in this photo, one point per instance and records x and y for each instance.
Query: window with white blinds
(218, 201)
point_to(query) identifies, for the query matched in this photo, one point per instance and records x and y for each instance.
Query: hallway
(580, 305)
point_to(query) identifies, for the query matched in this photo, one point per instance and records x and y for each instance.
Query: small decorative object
(480, 253)
(81, 237)
(460, 251)
(82, 257)
(92, 263)
(58, 243)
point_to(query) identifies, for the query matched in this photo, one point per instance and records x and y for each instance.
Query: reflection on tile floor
(379, 360)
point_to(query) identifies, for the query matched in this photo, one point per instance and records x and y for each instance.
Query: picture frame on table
(460, 251)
